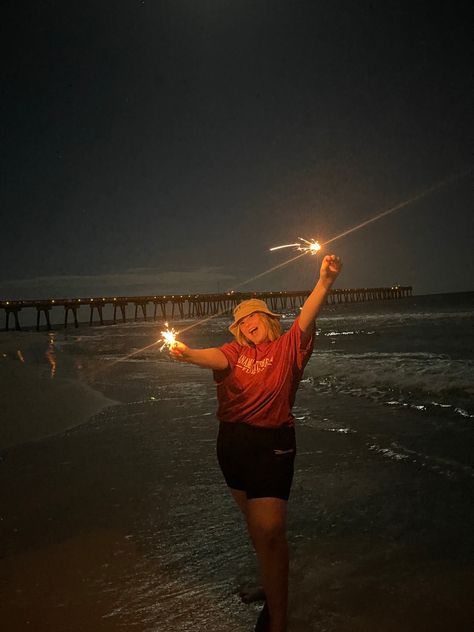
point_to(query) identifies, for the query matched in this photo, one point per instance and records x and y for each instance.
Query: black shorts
(258, 461)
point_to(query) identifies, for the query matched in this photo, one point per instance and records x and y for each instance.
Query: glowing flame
(168, 338)
(304, 245)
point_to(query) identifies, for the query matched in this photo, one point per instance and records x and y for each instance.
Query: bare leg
(252, 593)
(266, 521)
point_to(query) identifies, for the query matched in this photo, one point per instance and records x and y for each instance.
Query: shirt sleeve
(231, 350)
(303, 344)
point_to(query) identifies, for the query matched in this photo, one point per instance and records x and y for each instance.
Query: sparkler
(168, 338)
(311, 247)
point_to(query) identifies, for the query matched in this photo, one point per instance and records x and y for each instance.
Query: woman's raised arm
(330, 269)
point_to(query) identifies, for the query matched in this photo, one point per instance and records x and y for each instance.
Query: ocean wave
(355, 332)
(396, 317)
(306, 417)
(413, 380)
(429, 407)
(449, 468)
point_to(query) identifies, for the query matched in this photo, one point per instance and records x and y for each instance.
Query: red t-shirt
(260, 384)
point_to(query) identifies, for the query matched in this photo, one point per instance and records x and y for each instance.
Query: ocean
(114, 515)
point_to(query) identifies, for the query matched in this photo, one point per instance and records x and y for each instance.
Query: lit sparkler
(168, 338)
(311, 247)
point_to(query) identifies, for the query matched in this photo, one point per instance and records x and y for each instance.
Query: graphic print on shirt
(252, 366)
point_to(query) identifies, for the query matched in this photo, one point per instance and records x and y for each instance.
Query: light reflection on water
(50, 354)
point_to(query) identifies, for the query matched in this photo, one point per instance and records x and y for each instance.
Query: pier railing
(171, 306)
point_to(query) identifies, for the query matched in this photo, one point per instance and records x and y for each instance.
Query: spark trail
(203, 320)
(258, 276)
(311, 249)
(305, 251)
(124, 358)
(401, 205)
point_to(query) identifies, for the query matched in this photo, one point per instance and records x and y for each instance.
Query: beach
(115, 516)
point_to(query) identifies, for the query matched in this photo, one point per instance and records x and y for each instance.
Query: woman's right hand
(179, 351)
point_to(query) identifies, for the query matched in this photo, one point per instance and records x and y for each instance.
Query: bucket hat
(245, 308)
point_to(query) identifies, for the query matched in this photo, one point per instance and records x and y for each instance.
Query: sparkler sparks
(311, 247)
(168, 338)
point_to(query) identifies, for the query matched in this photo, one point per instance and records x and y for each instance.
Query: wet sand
(41, 395)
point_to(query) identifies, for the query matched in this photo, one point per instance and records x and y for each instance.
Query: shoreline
(42, 394)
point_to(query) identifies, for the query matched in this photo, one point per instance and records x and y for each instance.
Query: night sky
(150, 147)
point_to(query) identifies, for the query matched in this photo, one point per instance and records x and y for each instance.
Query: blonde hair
(273, 328)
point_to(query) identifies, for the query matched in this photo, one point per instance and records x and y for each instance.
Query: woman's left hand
(330, 269)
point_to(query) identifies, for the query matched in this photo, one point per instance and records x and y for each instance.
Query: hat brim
(235, 325)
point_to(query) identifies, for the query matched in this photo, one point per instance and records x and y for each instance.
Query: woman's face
(254, 327)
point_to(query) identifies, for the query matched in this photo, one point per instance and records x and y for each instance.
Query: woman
(257, 377)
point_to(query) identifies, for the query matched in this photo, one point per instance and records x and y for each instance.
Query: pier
(180, 306)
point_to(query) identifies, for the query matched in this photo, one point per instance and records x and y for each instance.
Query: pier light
(103, 299)
(115, 298)
(52, 300)
(78, 300)
(8, 302)
(92, 300)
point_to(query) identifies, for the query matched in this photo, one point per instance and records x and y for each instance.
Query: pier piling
(73, 309)
(43, 309)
